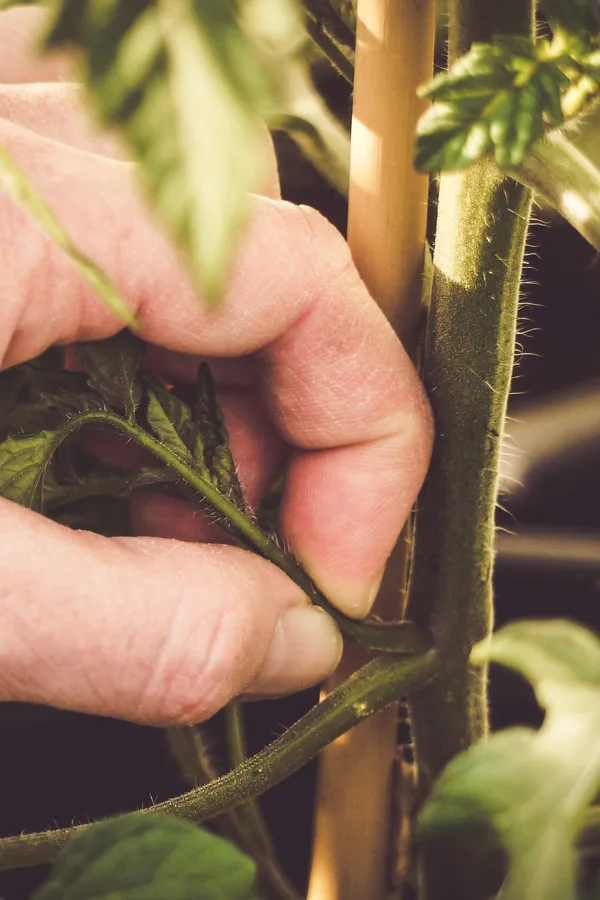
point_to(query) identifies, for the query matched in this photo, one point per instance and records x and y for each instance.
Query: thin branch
(257, 838)
(328, 47)
(372, 688)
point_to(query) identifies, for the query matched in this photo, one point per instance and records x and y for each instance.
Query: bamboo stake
(386, 232)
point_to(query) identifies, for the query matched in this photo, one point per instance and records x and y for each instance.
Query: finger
(58, 111)
(61, 112)
(20, 57)
(153, 631)
(335, 377)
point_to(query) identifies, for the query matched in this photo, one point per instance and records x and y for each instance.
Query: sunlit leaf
(497, 98)
(149, 858)
(23, 464)
(531, 788)
(187, 81)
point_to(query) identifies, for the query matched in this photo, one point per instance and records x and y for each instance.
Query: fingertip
(353, 598)
(306, 648)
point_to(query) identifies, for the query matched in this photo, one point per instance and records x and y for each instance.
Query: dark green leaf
(149, 858)
(529, 787)
(499, 97)
(50, 410)
(113, 366)
(31, 383)
(170, 419)
(212, 430)
(23, 464)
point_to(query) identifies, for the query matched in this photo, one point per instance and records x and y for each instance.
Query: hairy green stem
(342, 63)
(337, 19)
(258, 841)
(401, 637)
(373, 687)
(236, 745)
(187, 746)
(468, 360)
(468, 357)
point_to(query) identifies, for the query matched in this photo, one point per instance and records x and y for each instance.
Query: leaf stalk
(376, 685)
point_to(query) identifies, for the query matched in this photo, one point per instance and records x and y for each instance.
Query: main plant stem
(386, 233)
(480, 242)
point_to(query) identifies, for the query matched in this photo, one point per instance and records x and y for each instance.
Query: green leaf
(499, 97)
(113, 366)
(531, 788)
(16, 184)
(149, 858)
(186, 80)
(23, 464)
(212, 430)
(169, 418)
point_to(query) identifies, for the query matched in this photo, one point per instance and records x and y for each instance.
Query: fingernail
(305, 649)
(354, 600)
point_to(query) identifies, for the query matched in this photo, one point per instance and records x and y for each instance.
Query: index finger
(339, 385)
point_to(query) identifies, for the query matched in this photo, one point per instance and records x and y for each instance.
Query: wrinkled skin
(167, 627)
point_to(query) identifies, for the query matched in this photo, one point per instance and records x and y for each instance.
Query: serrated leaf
(149, 858)
(169, 418)
(23, 464)
(113, 367)
(17, 185)
(499, 97)
(210, 425)
(529, 787)
(186, 83)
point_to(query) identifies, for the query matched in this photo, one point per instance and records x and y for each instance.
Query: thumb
(151, 630)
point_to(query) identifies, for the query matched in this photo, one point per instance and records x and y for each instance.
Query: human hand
(167, 627)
